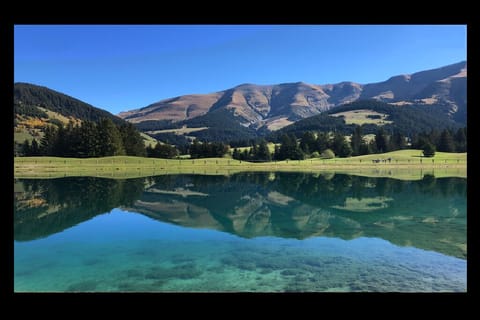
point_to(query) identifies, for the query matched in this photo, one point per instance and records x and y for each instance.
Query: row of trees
(207, 149)
(107, 139)
(87, 140)
(321, 144)
(310, 145)
(444, 141)
(257, 152)
(162, 150)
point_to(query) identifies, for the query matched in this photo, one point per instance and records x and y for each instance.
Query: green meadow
(403, 164)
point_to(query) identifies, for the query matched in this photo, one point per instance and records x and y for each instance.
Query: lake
(248, 232)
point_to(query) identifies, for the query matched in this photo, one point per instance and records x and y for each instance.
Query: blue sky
(123, 67)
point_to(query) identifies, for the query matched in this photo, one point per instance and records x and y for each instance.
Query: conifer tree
(111, 139)
(132, 141)
(356, 141)
(262, 152)
(446, 143)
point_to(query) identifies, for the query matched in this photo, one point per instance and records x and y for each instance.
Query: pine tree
(252, 153)
(262, 151)
(322, 142)
(217, 150)
(308, 142)
(381, 141)
(164, 151)
(285, 146)
(446, 143)
(340, 146)
(397, 142)
(150, 151)
(461, 140)
(276, 152)
(74, 141)
(236, 154)
(429, 150)
(60, 145)
(111, 139)
(357, 140)
(90, 140)
(48, 141)
(244, 155)
(132, 141)
(289, 149)
(434, 137)
(345, 150)
(295, 152)
(195, 149)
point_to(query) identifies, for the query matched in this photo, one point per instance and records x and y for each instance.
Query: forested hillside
(407, 120)
(262, 109)
(28, 97)
(51, 123)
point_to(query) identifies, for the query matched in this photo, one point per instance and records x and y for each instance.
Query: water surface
(247, 232)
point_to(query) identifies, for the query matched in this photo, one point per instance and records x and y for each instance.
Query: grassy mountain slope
(36, 107)
(266, 108)
(408, 119)
(33, 96)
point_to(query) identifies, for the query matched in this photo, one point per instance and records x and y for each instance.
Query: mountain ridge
(275, 106)
(33, 96)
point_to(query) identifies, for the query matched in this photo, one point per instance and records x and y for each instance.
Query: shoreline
(132, 167)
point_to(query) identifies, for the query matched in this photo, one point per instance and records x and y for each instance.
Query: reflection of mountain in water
(428, 214)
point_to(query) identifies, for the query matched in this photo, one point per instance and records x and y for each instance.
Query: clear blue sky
(119, 68)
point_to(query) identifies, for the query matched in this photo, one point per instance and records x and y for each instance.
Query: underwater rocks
(83, 286)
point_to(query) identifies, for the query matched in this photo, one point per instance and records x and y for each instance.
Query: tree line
(310, 145)
(89, 139)
(107, 139)
(327, 145)
(444, 141)
(207, 149)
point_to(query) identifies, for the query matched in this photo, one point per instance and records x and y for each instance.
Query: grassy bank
(404, 164)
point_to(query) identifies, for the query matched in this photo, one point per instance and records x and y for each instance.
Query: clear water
(247, 232)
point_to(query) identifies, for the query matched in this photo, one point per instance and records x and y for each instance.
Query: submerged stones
(183, 271)
(83, 286)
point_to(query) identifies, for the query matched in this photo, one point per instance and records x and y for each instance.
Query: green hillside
(27, 98)
(36, 107)
(407, 119)
(48, 122)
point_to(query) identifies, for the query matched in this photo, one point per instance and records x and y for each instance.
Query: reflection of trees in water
(428, 184)
(297, 205)
(99, 194)
(62, 203)
(318, 190)
(301, 205)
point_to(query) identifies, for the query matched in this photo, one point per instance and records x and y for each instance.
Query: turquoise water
(248, 232)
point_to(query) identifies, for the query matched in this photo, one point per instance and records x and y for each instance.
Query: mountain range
(272, 107)
(420, 102)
